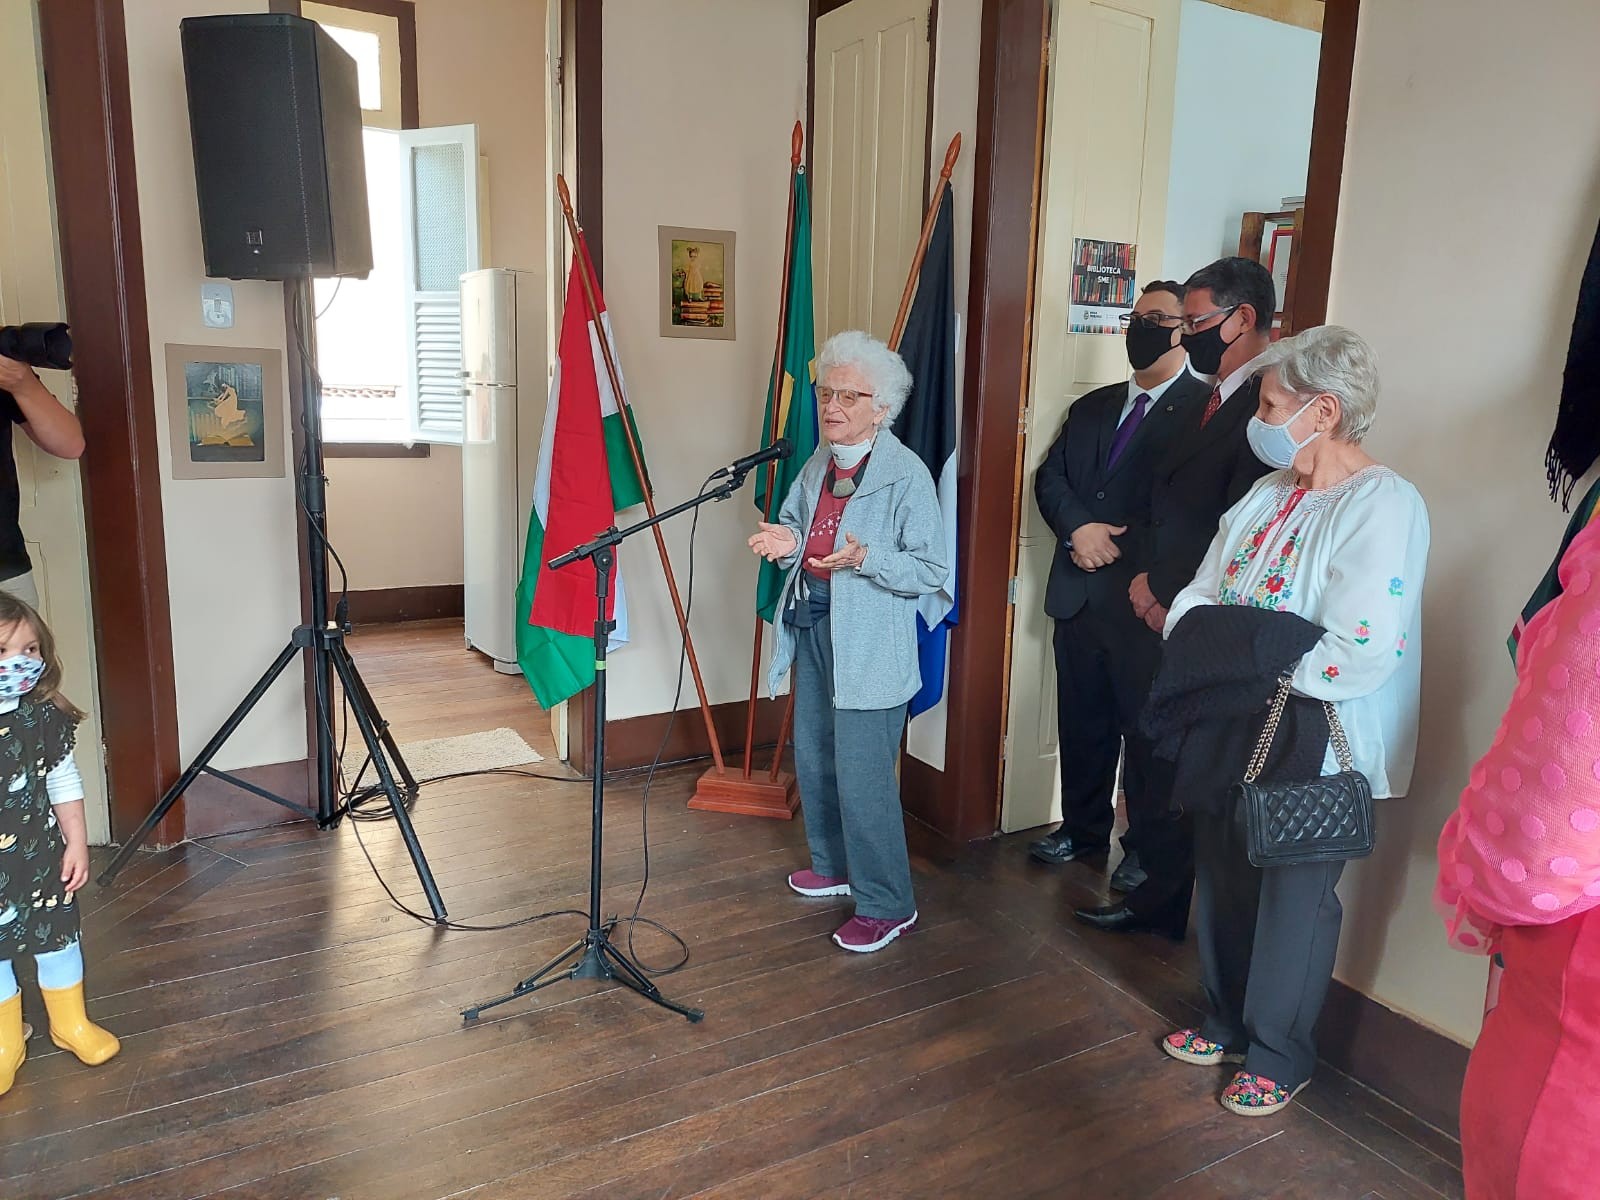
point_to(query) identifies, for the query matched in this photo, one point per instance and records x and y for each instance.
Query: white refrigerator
(506, 390)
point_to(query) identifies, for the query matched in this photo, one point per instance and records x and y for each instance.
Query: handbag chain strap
(1341, 744)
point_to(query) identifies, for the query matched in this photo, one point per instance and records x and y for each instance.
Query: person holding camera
(54, 428)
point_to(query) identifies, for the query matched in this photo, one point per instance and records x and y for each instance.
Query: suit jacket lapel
(1161, 412)
(1198, 438)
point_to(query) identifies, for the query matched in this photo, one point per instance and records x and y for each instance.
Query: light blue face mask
(1274, 444)
(19, 675)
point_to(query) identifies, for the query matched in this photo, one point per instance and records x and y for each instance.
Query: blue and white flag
(928, 427)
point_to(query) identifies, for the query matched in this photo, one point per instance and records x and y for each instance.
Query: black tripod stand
(597, 957)
(324, 638)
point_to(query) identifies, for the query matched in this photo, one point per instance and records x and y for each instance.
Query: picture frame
(697, 282)
(225, 412)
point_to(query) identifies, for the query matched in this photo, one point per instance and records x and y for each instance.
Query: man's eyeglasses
(846, 399)
(1151, 320)
(1193, 324)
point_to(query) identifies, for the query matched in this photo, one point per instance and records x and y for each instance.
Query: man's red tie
(1211, 406)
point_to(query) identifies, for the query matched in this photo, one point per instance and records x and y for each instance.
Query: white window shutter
(439, 206)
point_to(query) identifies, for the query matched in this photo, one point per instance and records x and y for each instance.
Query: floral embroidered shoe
(863, 935)
(1188, 1046)
(809, 883)
(1252, 1096)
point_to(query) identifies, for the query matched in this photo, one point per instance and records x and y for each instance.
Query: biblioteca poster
(1102, 285)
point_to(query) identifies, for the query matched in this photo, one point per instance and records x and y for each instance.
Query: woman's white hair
(1332, 360)
(885, 370)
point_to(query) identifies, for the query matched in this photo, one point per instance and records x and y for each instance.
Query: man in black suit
(1227, 324)
(1094, 490)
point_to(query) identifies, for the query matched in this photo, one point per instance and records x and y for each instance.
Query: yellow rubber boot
(71, 1029)
(13, 1041)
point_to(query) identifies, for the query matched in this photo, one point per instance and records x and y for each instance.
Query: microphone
(780, 449)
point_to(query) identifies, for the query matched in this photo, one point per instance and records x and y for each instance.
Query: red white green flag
(585, 478)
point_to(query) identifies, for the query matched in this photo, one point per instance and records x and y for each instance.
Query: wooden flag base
(758, 796)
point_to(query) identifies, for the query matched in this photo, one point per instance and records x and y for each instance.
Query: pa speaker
(275, 117)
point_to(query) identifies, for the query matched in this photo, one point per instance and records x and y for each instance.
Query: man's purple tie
(1129, 426)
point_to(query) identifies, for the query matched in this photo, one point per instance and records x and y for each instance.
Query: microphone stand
(597, 957)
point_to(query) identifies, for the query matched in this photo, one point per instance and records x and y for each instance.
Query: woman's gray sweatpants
(848, 787)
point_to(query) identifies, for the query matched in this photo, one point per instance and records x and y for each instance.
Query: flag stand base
(758, 796)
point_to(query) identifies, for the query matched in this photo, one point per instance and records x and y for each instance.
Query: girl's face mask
(19, 675)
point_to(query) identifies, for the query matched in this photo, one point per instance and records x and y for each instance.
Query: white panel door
(1108, 138)
(869, 143)
(30, 290)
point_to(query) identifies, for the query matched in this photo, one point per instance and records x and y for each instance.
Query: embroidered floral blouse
(1350, 558)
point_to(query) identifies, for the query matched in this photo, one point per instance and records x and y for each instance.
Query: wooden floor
(286, 1033)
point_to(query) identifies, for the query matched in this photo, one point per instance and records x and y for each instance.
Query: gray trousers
(1267, 943)
(848, 788)
(23, 588)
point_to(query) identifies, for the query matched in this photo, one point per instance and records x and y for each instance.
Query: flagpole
(774, 393)
(950, 156)
(581, 252)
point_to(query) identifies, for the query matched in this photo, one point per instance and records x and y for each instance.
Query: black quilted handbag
(1327, 819)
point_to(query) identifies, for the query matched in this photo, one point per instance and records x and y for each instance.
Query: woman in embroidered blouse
(1341, 541)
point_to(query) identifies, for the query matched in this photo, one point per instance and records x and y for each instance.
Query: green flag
(796, 404)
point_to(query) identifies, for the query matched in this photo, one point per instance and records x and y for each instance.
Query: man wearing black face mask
(1227, 324)
(1094, 489)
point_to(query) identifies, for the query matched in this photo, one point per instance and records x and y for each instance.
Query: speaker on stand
(275, 120)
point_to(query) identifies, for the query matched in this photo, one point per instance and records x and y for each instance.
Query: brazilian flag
(795, 407)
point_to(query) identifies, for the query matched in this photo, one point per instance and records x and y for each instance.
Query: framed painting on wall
(696, 282)
(225, 412)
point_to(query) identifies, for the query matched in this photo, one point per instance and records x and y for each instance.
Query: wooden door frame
(85, 57)
(962, 801)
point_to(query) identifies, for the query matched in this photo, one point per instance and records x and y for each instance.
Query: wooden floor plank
(287, 1033)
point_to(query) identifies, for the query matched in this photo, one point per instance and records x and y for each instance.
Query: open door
(1108, 136)
(51, 511)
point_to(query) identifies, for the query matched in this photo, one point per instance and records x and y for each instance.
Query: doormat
(486, 751)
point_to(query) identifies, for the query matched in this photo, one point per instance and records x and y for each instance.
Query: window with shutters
(389, 345)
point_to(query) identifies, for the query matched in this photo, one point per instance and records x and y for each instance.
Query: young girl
(44, 844)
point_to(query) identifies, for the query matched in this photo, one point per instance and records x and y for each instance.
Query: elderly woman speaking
(1314, 579)
(861, 538)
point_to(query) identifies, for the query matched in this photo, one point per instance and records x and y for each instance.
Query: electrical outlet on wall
(216, 305)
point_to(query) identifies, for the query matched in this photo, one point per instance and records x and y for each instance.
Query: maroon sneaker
(863, 935)
(809, 883)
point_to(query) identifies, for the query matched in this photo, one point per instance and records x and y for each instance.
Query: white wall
(397, 522)
(1234, 68)
(231, 556)
(1473, 129)
(698, 403)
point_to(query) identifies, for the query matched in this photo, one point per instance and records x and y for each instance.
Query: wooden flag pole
(774, 397)
(581, 251)
(950, 157)
(775, 796)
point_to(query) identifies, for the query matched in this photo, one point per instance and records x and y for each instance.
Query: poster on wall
(696, 282)
(225, 412)
(1102, 285)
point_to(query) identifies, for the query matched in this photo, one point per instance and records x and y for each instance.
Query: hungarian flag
(928, 427)
(585, 477)
(796, 405)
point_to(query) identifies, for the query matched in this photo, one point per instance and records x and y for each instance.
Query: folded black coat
(1219, 672)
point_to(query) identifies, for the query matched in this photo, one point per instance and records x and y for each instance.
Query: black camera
(39, 344)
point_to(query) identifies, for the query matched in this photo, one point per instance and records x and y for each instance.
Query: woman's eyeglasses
(846, 399)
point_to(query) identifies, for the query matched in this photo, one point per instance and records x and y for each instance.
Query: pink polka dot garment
(1523, 847)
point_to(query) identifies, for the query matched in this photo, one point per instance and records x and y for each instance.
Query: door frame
(84, 50)
(962, 802)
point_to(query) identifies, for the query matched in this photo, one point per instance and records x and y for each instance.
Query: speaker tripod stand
(595, 955)
(324, 639)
